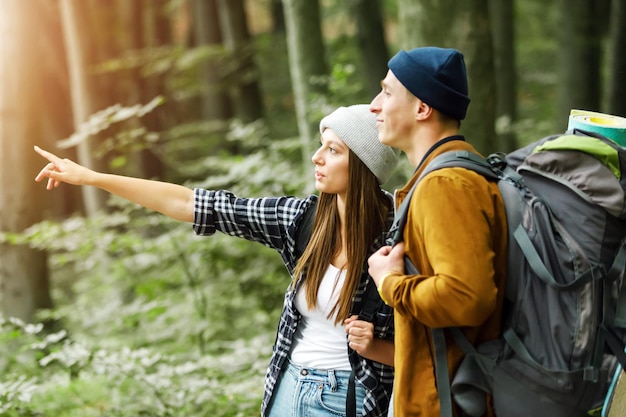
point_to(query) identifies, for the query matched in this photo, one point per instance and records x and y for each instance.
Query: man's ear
(422, 110)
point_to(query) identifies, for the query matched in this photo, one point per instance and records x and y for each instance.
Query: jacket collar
(450, 143)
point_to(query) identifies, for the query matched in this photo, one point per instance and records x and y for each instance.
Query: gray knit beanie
(356, 126)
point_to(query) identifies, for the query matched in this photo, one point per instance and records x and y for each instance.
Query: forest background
(110, 310)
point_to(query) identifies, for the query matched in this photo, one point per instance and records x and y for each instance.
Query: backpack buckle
(497, 160)
(591, 374)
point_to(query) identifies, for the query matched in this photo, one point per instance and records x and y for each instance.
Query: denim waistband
(330, 376)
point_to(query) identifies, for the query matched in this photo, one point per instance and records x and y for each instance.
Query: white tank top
(318, 342)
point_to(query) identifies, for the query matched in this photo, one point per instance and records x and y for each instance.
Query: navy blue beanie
(436, 76)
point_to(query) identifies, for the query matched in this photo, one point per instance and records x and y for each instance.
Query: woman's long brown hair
(366, 214)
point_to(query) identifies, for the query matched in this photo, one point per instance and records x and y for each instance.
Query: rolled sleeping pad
(613, 127)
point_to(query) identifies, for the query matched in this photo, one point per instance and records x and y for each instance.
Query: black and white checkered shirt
(273, 222)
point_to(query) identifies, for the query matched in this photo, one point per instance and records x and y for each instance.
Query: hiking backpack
(564, 323)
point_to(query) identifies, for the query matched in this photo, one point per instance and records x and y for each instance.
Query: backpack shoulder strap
(371, 302)
(305, 228)
(451, 159)
(463, 159)
(488, 169)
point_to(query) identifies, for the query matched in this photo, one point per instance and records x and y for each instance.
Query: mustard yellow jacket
(456, 236)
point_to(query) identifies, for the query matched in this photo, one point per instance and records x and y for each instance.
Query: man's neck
(424, 140)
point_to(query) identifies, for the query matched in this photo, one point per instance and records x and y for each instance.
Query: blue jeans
(305, 392)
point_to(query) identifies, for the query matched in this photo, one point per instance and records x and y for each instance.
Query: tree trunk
(156, 35)
(278, 16)
(580, 58)
(216, 104)
(58, 114)
(305, 47)
(143, 17)
(23, 271)
(408, 35)
(75, 20)
(370, 34)
(468, 29)
(421, 22)
(617, 82)
(246, 93)
(503, 29)
(477, 46)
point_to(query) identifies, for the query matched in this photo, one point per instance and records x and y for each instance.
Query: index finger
(48, 155)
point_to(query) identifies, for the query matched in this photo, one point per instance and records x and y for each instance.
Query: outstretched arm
(175, 201)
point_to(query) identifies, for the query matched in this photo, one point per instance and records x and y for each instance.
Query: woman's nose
(316, 158)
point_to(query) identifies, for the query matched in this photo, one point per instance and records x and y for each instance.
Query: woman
(310, 368)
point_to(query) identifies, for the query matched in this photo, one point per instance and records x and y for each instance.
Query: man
(456, 232)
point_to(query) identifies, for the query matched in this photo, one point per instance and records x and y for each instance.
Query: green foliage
(112, 115)
(151, 319)
(537, 60)
(68, 377)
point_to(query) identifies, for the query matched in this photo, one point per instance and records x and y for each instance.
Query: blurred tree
(216, 104)
(57, 103)
(153, 31)
(24, 285)
(504, 48)
(582, 25)
(468, 29)
(370, 34)
(242, 75)
(278, 16)
(135, 40)
(617, 82)
(307, 64)
(409, 33)
(80, 55)
(475, 40)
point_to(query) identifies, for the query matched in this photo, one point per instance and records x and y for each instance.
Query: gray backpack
(565, 309)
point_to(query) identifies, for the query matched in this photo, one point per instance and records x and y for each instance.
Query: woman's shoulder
(301, 205)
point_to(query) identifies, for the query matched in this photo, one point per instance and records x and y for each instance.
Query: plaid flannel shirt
(273, 222)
